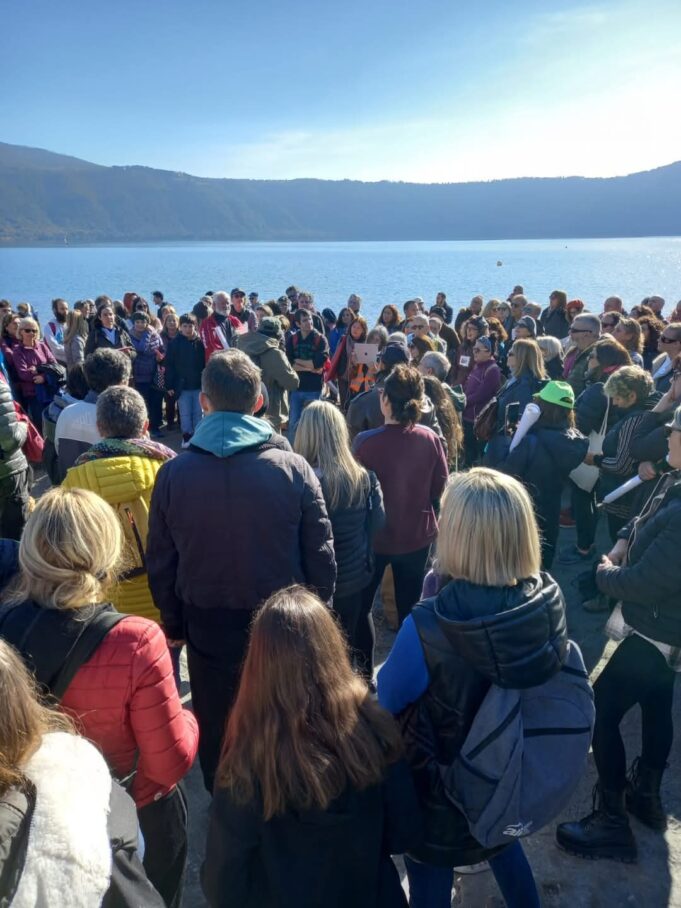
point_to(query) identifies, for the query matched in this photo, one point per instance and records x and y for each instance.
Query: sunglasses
(30, 330)
(669, 340)
(580, 331)
(669, 429)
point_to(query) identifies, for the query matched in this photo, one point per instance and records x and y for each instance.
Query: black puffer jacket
(649, 584)
(473, 636)
(353, 531)
(518, 391)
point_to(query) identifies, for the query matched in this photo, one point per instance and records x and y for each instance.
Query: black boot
(604, 833)
(643, 795)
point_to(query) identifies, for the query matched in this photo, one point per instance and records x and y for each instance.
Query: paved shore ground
(563, 880)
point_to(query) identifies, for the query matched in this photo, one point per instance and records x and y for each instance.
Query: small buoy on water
(499, 263)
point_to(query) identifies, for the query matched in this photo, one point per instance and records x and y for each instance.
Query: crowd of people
(326, 467)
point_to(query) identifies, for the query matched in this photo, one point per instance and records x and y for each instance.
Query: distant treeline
(46, 197)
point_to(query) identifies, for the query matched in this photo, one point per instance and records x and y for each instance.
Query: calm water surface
(381, 273)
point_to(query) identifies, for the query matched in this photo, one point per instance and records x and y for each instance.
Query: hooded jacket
(277, 373)
(447, 654)
(233, 519)
(126, 484)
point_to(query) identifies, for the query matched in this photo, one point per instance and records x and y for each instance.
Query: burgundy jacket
(481, 386)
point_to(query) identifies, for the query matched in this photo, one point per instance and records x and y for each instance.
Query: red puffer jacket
(125, 700)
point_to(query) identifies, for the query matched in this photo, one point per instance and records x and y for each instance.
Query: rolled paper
(531, 414)
(630, 484)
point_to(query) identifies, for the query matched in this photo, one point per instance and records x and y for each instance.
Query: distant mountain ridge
(46, 197)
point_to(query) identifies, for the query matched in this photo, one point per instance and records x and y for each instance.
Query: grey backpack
(524, 755)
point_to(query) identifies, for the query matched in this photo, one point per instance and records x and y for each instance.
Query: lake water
(390, 272)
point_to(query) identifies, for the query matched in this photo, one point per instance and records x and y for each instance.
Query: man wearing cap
(545, 456)
(365, 411)
(253, 299)
(239, 310)
(264, 347)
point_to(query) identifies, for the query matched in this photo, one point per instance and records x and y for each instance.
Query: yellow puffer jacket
(126, 483)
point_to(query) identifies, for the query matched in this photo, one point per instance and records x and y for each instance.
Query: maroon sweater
(411, 466)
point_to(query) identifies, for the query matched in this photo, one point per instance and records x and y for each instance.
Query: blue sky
(429, 91)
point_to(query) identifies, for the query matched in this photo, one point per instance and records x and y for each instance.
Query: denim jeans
(190, 411)
(431, 886)
(297, 402)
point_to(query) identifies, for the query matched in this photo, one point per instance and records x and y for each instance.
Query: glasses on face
(580, 331)
(669, 429)
(609, 324)
(669, 340)
(30, 330)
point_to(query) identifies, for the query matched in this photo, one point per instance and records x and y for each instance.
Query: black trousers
(636, 673)
(153, 398)
(214, 659)
(586, 516)
(408, 573)
(14, 497)
(471, 445)
(349, 611)
(164, 828)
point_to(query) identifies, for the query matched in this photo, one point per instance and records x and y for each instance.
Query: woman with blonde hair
(528, 376)
(48, 776)
(489, 616)
(31, 359)
(628, 332)
(311, 796)
(75, 336)
(123, 693)
(354, 503)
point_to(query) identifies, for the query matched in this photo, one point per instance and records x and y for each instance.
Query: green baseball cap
(559, 393)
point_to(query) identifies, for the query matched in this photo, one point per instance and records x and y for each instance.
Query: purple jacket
(144, 364)
(481, 386)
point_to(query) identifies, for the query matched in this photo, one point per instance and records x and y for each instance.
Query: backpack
(524, 755)
(53, 643)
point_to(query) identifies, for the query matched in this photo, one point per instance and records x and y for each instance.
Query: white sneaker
(185, 444)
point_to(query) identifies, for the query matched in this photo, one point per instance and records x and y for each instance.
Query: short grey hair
(121, 413)
(438, 362)
(588, 318)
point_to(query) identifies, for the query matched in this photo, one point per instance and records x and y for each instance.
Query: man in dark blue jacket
(234, 519)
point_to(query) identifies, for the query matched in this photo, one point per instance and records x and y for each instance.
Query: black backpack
(53, 643)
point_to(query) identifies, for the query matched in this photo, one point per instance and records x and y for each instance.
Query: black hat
(394, 354)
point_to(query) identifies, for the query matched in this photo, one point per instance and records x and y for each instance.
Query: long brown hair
(447, 417)
(23, 718)
(304, 725)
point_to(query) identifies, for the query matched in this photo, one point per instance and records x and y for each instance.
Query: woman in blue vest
(500, 621)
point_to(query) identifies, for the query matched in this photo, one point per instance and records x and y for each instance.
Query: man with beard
(54, 330)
